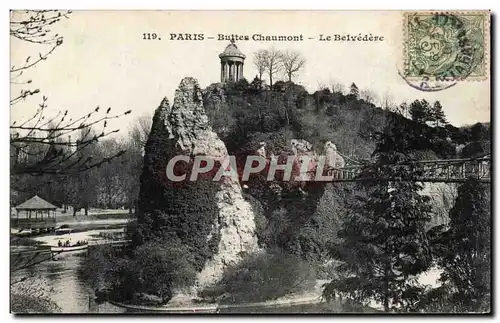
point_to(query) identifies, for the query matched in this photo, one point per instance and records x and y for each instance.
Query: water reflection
(68, 291)
(61, 283)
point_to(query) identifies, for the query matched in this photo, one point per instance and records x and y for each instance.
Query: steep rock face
(184, 130)
(442, 197)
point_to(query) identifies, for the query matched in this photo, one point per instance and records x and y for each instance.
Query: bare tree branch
(44, 144)
(292, 62)
(273, 63)
(260, 61)
(368, 95)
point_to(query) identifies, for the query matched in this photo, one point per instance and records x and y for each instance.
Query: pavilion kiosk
(35, 214)
(231, 64)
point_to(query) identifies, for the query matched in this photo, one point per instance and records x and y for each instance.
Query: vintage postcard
(250, 162)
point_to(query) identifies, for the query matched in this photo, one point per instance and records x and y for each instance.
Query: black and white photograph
(250, 162)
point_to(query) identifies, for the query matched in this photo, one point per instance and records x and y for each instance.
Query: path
(313, 297)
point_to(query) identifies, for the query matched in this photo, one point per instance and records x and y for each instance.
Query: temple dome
(232, 51)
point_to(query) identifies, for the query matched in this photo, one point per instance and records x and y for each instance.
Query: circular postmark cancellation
(444, 48)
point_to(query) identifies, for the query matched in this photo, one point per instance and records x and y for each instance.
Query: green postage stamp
(446, 46)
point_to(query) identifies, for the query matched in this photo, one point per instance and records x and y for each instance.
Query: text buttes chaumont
(360, 37)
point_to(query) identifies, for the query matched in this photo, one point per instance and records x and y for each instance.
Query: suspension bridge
(446, 170)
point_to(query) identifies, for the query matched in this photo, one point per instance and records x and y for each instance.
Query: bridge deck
(446, 171)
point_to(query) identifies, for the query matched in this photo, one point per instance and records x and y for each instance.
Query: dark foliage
(263, 277)
(383, 238)
(245, 119)
(185, 210)
(463, 250)
(151, 271)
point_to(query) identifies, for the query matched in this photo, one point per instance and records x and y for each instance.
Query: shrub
(266, 276)
(152, 271)
(97, 268)
(238, 86)
(164, 267)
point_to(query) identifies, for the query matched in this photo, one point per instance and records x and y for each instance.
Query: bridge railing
(457, 169)
(450, 170)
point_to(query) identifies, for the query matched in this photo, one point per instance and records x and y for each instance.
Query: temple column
(222, 71)
(241, 70)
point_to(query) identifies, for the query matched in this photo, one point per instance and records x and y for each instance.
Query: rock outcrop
(442, 198)
(183, 129)
(333, 158)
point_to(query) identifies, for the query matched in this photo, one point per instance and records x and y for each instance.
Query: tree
(368, 96)
(463, 249)
(383, 239)
(437, 114)
(85, 184)
(273, 63)
(292, 62)
(480, 131)
(48, 140)
(140, 129)
(43, 147)
(403, 109)
(260, 61)
(387, 102)
(337, 87)
(354, 91)
(420, 111)
(111, 188)
(256, 85)
(132, 160)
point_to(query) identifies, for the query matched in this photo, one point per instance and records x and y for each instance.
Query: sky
(104, 60)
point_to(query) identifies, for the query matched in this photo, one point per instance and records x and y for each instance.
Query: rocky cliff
(226, 223)
(442, 197)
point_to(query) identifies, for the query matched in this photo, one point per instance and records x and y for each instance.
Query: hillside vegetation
(368, 238)
(244, 115)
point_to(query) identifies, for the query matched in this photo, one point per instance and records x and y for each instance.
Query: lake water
(69, 292)
(60, 280)
(73, 295)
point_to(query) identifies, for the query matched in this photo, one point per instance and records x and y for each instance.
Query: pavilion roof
(232, 51)
(36, 203)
